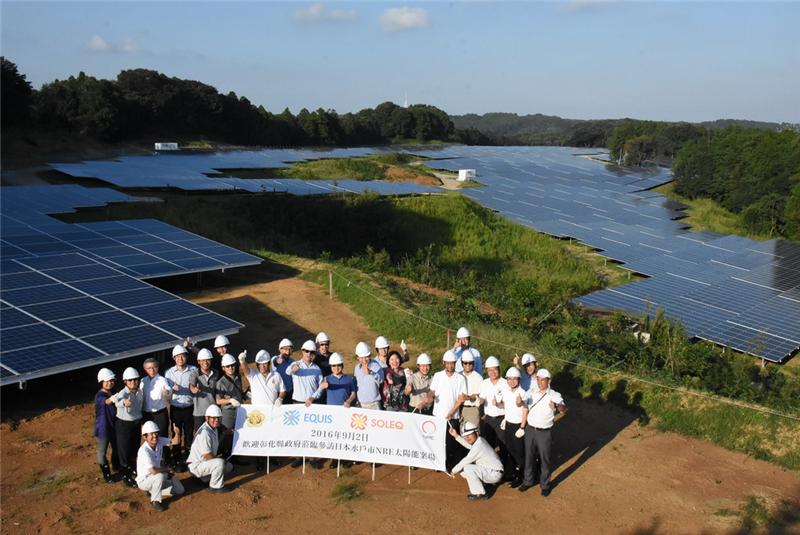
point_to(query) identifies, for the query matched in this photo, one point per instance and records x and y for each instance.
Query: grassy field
(383, 166)
(706, 214)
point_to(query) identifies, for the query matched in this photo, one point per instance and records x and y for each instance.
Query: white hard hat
(467, 356)
(423, 358)
(449, 356)
(130, 373)
(492, 362)
(285, 343)
(322, 337)
(262, 356)
(178, 350)
(228, 359)
(336, 358)
(220, 341)
(462, 332)
(150, 427)
(362, 350)
(512, 372)
(381, 342)
(527, 358)
(204, 354)
(468, 429)
(105, 375)
(213, 411)
(309, 345)
(543, 373)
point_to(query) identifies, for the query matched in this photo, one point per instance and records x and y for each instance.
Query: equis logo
(358, 421)
(291, 417)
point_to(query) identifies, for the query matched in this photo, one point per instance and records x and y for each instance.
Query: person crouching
(481, 465)
(151, 475)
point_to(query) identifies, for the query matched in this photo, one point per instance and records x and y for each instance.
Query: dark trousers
(161, 418)
(128, 440)
(537, 444)
(516, 450)
(198, 421)
(454, 451)
(496, 437)
(182, 419)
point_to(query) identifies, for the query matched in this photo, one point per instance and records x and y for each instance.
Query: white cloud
(98, 44)
(397, 19)
(320, 13)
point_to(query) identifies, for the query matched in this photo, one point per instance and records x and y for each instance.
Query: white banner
(336, 432)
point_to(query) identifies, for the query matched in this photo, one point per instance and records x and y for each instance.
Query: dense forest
(141, 103)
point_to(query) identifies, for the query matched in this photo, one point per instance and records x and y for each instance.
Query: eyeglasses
(468, 363)
(324, 344)
(230, 366)
(307, 351)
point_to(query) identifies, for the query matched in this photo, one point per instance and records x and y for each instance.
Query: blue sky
(580, 59)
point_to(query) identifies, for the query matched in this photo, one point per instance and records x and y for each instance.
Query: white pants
(160, 485)
(213, 470)
(476, 476)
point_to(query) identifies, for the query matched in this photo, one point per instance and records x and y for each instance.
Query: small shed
(466, 174)
(160, 145)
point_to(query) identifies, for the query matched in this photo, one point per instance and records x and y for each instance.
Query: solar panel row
(67, 311)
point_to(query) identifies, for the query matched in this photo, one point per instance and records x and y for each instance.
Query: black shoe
(158, 507)
(475, 497)
(319, 464)
(181, 468)
(524, 487)
(297, 463)
(333, 465)
(221, 490)
(514, 483)
(546, 492)
(106, 473)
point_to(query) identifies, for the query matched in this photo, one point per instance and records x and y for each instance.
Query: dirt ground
(613, 475)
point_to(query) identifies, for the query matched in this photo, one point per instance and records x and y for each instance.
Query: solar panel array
(67, 311)
(70, 294)
(141, 248)
(191, 172)
(733, 291)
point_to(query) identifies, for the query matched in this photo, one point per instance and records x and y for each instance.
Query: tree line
(141, 103)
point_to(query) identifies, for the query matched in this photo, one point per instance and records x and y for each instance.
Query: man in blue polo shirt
(341, 388)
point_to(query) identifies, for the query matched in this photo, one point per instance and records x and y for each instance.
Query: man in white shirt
(448, 391)
(481, 465)
(157, 395)
(179, 378)
(266, 386)
(527, 366)
(463, 342)
(151, 475)
(513, 425)
(490, 393)
(545, 407)
(470, 410)
(203, 461)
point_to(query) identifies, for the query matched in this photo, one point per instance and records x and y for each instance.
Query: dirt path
(614, 476)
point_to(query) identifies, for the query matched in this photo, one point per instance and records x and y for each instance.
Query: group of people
(499, 427)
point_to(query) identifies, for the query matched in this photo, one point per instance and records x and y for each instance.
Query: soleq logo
(361, 421)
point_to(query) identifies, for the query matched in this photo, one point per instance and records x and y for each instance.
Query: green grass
(347, 491)
(47, 484)
(707, 214)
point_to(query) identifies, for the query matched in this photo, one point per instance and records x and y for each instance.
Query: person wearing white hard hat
(545, 407)
(527, 365)
(419, 385)
(105, 415)
(203, 460)
(229, 392)
(491, 391)
(512, 402)
(281, 363)
(151, 474)
(448, 391)
(481, 465)
(157, 395)
(266, 385)
(381, 351)
(204, 388)
(181, 406)
(463, 338)
(323, 355)
(221, 345)
(306, 378)
(470, 410)
(395, 378)
(369, 378)
(129, 403)
(341, 389)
